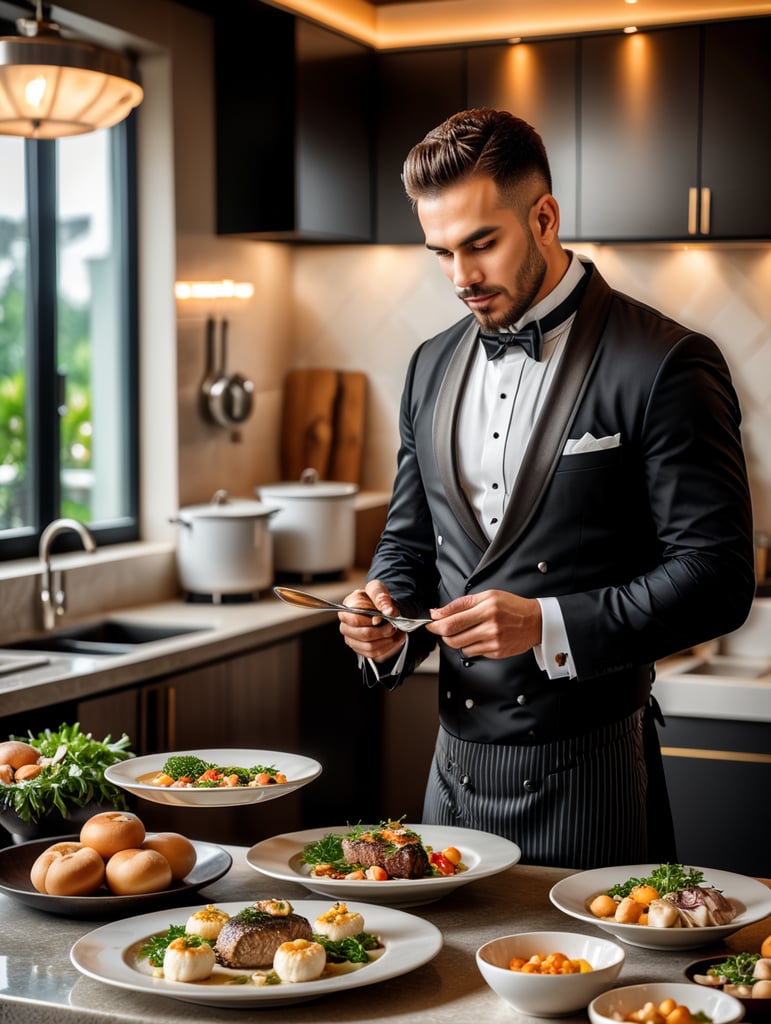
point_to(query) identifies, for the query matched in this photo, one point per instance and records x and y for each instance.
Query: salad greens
(665, 878)
(73, 778)
(737, 970)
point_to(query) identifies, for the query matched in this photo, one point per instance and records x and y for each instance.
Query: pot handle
(180, 522)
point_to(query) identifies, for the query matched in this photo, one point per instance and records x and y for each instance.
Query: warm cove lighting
(213, 290)
(52, 87)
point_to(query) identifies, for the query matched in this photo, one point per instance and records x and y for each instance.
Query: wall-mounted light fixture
(52, 87)
(213, 290)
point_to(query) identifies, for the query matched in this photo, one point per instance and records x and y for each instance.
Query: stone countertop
(39, 985)
(225, 630)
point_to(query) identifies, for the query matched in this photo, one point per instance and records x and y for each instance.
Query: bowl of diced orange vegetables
(549, 974)
(665, 1002)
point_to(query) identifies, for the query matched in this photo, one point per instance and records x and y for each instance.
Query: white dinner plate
(299, 771)
(107, 955)
(573, 895)
(482, 854)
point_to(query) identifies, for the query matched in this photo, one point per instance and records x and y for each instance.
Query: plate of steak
(389, 864)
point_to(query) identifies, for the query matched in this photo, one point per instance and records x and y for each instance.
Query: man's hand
(493, 624)
(371, 638)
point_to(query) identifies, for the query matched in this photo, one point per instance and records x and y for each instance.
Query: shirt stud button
(469, 703)
(543, 567)
(440, 540)
(521, 699)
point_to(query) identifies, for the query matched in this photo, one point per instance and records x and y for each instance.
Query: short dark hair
(494, 143)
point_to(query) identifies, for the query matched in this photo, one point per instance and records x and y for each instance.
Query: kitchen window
(68, 345)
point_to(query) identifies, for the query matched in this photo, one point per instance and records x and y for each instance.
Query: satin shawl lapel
(552, 429)
(445, 425)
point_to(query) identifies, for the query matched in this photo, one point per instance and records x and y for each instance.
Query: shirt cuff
(395, 669)
(553, 653)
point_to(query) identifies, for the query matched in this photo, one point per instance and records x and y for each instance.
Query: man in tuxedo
(570, 505)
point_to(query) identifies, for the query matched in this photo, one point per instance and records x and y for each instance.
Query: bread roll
(133, 872)
(111, 831)
(178, 851)
(15, 753)
(68, 869)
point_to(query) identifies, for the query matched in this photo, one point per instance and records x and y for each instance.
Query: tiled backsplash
(368, 307)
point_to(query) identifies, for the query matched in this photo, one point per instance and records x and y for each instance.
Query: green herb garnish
(154, 949)
(353, 949)
(665, 878)
(737, 970)
(75, 778)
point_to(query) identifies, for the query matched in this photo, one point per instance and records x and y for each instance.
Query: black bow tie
(530, 338)
(531, 335)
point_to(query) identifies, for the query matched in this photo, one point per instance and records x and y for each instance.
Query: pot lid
(302, 491)
(223, 507)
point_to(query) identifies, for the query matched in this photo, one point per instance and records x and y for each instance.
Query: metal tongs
(303, 600)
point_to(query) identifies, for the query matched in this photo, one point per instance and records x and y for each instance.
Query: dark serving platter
(16, 862)
(755, 1009)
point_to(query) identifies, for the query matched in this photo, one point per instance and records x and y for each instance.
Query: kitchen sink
(108, 636)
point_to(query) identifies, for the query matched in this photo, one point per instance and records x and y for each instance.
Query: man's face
(483, 247)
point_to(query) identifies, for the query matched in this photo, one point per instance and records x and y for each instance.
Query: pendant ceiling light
(52, 87)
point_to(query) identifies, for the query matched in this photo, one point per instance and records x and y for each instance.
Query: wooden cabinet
(718, 773)
(638, 145)
(736, 143)
(670, 146)
(537, 82)
(293, 129)
(416, 90)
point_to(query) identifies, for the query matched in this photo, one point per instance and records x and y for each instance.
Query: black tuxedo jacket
(647, 545)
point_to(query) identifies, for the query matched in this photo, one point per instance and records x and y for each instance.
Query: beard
(527, 284)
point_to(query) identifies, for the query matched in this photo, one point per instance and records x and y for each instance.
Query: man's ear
(545, 218)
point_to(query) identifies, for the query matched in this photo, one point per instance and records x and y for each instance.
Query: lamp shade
(52, 87)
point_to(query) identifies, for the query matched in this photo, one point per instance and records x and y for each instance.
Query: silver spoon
(303, 600)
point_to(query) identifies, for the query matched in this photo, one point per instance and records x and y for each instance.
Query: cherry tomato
(440, 862)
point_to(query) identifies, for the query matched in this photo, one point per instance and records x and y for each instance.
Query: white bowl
(719, 1007)
(549, 995)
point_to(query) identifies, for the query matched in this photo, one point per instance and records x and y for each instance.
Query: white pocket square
(589, 443)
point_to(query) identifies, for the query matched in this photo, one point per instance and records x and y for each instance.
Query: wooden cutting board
(322, 424)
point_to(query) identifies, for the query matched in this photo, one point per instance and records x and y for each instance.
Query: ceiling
(388, 24)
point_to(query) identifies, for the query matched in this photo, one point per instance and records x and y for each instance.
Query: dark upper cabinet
(537, 82)
(671, 141)
(638, 144)
(736, 143)
(416, 90)
(293, 129)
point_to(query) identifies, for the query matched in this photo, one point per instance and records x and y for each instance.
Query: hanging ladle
(303, 600)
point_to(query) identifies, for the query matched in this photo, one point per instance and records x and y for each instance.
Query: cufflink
(561, 659)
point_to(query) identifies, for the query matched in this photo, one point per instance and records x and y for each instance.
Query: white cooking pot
(314, 530)
(225, 547)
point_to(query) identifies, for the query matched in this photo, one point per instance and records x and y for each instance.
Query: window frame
(42, 378)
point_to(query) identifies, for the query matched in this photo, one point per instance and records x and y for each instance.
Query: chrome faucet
(52, 597)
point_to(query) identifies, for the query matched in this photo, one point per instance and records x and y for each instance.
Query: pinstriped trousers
(575, 803)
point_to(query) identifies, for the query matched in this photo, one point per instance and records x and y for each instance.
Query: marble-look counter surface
(39, 985)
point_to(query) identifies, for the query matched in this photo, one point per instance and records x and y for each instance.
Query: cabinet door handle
(693, 206)
(706, 198)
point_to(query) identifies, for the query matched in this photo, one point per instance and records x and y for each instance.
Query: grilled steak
(251, 939)
(402, 856)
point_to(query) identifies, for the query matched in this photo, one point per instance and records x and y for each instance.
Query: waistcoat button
(543, 567)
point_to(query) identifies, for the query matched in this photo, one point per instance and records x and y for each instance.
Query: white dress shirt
(501, 403)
